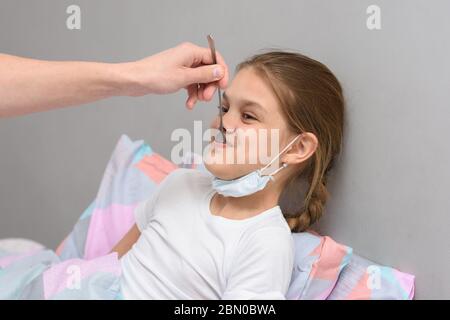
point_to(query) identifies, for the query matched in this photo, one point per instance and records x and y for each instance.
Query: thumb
(204, 74)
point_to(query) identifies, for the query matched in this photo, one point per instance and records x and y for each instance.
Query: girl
(229, 236)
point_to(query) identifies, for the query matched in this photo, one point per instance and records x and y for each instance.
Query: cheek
(253, 145)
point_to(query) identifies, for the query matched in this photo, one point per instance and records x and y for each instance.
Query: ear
(302, 149)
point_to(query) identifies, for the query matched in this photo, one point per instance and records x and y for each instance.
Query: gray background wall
(390, 197)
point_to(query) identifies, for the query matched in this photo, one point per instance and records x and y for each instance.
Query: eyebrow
(245, 102)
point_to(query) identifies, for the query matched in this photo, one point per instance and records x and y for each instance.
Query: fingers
(199, 92)
(209, 91)
(202, 74)
(206, 91)
(224, 81)
(201, 77)
(192, 96)
(202, 56)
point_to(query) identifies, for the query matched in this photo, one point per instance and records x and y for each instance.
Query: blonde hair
(312, 100)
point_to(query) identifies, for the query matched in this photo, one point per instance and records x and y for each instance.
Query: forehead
(248, 85)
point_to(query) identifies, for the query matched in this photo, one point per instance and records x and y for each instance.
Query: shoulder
(183, 182)
(269, 224)
(190, 176)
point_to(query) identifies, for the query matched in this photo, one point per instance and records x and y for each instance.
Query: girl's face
(250, 112)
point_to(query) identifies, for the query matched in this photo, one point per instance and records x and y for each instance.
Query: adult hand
(184, 66)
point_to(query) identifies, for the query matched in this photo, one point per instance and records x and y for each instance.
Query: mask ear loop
(271, 176)
(284, 164)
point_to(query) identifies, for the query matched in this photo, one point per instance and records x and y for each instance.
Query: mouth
(220, 144)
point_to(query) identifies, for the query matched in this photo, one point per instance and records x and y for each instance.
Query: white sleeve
(144, 210)
(262, 267)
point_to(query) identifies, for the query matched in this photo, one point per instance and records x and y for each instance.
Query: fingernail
(217, 73)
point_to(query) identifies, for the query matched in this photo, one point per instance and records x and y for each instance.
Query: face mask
(250, 183)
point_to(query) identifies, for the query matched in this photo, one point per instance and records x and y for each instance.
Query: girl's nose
(229, 125)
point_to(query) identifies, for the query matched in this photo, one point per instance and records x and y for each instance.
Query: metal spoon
(220, 138)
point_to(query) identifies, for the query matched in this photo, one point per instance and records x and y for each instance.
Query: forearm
(125, 244)
(28, 85)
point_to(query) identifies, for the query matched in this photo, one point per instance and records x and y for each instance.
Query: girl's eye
(247, 116)
(224, 109)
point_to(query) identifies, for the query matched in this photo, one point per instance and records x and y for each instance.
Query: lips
(222, 145)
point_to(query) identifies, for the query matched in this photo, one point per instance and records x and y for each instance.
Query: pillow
(318, 262)
(18, 245)
(363, 279)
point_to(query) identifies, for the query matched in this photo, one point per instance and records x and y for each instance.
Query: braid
(313, 203)
(313, 209)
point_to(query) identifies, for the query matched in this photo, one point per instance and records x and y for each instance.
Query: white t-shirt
(186, 252)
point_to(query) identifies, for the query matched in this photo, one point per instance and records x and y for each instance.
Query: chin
(228, 171)
(221, 171)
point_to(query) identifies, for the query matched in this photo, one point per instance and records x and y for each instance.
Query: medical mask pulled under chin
(250, 183)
